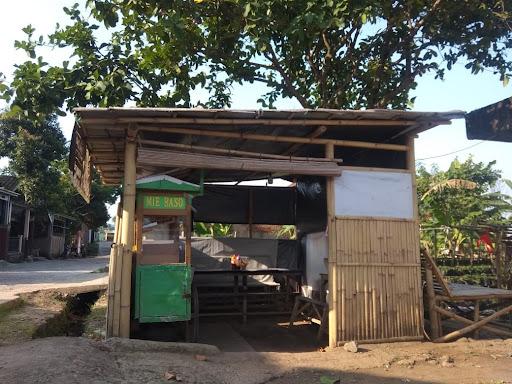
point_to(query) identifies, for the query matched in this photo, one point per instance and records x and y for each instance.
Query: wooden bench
(438, 290)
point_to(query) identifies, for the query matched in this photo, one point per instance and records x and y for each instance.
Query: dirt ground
(20, 319)
(60, 360)
(266, 352)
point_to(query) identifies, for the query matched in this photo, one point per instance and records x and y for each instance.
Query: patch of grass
(10, 306)
(94, 326)
(20, 318)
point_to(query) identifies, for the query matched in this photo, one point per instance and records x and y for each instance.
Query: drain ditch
(70, 321)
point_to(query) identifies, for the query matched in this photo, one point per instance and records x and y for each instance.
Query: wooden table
(240, 290)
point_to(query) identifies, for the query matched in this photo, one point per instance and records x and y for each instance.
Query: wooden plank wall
(378, 278)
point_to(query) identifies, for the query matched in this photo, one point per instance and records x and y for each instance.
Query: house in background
(51, 233)
(23, 232)
(15, 218)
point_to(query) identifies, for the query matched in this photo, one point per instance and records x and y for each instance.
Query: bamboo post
(470, 328)
(127, 235)
(476, 317)
(435, 332)
(331, 241)
(112, 275)
(411, 166)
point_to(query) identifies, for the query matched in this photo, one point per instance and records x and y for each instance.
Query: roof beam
(258, 137)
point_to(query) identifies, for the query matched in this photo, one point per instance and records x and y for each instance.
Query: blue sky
(460, 90)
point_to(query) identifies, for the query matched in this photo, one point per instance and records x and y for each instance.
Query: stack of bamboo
(118, 297)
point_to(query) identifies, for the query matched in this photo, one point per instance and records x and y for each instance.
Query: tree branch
(287, 81)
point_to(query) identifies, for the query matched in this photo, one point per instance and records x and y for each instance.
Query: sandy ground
(79, 360)
(17, 278)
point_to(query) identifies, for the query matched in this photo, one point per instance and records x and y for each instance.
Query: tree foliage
(37, 155)
(336, 54)
(470, 195)
(33, 148)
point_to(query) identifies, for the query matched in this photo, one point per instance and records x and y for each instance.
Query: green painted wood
(164, 202)
(163, 293)
(167, 183)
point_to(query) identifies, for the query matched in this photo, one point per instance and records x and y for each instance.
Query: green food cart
(163, 275)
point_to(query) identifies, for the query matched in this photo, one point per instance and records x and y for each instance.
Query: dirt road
(28, 277)
(65, 360)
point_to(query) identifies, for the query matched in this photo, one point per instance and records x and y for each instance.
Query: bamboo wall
(378, 280)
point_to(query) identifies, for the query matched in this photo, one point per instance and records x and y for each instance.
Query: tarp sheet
(209, 253)
(232, 204)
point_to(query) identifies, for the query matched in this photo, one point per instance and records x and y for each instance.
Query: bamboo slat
(378, 267)
(176, 159)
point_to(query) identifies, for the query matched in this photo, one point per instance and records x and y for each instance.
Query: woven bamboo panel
(378, 279)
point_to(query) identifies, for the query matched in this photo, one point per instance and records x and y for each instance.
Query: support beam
(269, 138)
(470, 328)
(488, 328)
(127, 235)
(331, 238)
(435, 320)
(113, 260)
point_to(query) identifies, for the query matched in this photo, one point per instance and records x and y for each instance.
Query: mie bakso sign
(164, 202)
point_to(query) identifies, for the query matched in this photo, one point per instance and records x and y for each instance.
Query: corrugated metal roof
(286, 114)
(8, 182)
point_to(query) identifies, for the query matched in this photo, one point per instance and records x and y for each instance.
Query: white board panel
(373, 193)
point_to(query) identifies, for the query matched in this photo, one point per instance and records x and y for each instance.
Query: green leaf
(247, 9)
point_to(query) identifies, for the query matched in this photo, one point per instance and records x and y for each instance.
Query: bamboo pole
(255, 121)
(435, 332)
(111, 275)
(331, 232)
(118, 263)
(476, 318)
(470, 328)
(271, 138)
(117, 290)
(127, 236)
(260, 155)
(411, 165)
(489, 328)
